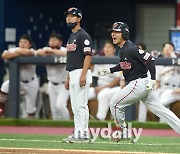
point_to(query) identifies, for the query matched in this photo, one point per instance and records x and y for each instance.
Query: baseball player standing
(135, 63)
(29, 82)
(57, 75)
(79, 55)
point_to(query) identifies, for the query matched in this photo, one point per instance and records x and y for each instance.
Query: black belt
(55, 83)
(27, 81)
(143, 76)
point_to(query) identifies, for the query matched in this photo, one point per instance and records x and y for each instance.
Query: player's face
(23, 43)
(54, 42)
(117, 37)
(167, 50)
(109, 50)
(72, 19)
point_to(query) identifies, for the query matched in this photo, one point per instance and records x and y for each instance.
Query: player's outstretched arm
(9, 55)
(25, 52)
(105, 71)
(151, 67)
(59, 52)
(41, 52)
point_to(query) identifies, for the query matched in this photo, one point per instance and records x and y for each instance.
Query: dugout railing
(14, 86)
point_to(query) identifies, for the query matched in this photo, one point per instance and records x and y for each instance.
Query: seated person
(29, 82)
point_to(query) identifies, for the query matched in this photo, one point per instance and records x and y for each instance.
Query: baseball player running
(79, 55)
(57, 75)
(29, 82)
(135, 63)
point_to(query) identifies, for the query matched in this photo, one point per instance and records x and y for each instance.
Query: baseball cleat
(67, 140)
(79, 140)
(119, 135)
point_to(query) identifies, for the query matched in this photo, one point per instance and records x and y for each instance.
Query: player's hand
(151, 85)
(104, 71)
(67, 85)
(82, 81)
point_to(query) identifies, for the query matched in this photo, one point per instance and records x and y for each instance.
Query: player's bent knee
(3, 97)
(5, 87)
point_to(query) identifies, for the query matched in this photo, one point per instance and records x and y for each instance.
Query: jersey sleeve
(147, 60)
(86, 44)
(142, 55)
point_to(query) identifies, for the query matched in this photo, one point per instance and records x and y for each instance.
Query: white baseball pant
(58, 96)
(135, 91)
(79, 102)
(103, 97)
(31, 90)
(166, 96)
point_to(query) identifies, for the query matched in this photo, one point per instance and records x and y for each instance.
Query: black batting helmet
(121, 27)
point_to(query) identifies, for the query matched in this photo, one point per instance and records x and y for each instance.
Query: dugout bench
(14, 86)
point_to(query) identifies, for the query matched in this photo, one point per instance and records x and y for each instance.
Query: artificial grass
(145, 144)
(92, 123)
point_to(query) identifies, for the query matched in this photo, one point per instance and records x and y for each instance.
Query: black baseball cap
(74, 11)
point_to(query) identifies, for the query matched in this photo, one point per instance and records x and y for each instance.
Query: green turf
(92, 123)
(145, 144)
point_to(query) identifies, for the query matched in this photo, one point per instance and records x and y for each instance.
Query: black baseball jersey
(78, 46)
(133, 62)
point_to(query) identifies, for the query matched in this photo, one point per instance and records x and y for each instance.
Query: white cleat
(67, 140)
(79, 140)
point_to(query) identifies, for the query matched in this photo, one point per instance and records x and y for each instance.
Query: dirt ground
(61, 151)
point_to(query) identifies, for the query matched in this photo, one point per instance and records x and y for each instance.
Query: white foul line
(127, 143)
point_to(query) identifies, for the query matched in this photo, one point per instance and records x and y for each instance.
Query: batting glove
(104, 71)
(151, 85)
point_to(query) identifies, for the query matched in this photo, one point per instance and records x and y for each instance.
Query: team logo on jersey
(71, 47)
(141, 51)
(86, 42)
(125, 65)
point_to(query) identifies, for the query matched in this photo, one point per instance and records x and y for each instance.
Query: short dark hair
(109, 42)
(143, 46)
(26, 37)
(170, 43)
(56, 35)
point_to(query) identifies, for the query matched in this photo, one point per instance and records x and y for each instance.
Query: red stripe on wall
(178, 13)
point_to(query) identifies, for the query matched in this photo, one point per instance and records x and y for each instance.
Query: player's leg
(3, 97)
(130, 94)
(154, 104)
(167, 97)
(79, 103)
(103, 104)
(82, 111)
(91, 94)
(142, 114)
(31, 91)
(53, 98)
(104, 98)
(61, 102)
